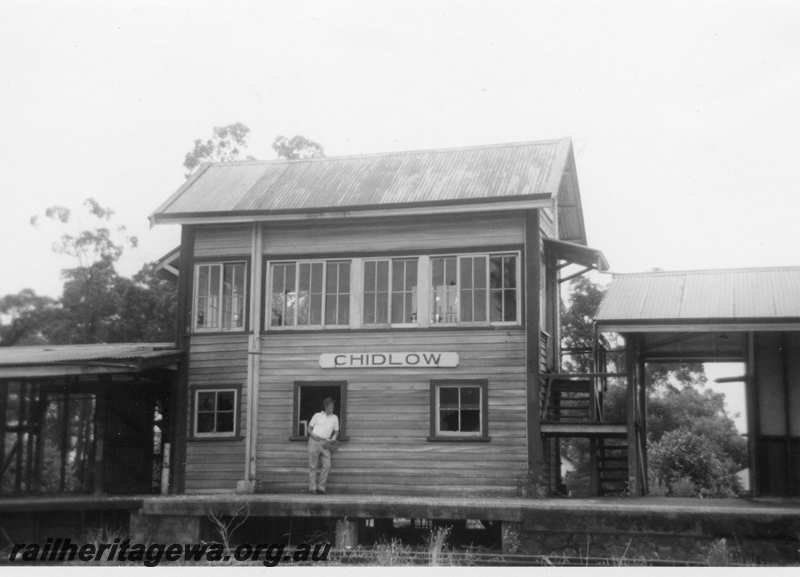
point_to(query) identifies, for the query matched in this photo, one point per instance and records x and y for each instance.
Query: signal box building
(417, 289)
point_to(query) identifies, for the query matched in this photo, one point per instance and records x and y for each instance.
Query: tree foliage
(97, 304)
(297, 147)
(227, 143)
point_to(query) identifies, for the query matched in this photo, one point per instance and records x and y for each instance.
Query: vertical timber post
(631, 361)
(248, 483)
(179, 413)
(533, 386)
(641, 370)
(753, 415)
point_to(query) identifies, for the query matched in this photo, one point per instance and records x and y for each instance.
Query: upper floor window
(220, 296)
(475, 289)
(390, 291)
(310, 294)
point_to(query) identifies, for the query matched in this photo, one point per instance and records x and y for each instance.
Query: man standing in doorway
(322, 432)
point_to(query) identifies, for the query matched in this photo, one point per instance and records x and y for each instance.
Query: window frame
(270, 268)
(457, 436)
(389, 260)
(220, 262)
(237, 409)
(342, 409)
(517, 254)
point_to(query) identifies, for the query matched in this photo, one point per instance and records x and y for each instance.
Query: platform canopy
(723, 300)
(58, 360)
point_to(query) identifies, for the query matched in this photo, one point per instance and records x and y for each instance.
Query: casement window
(459, 409)
(390, 291)
(475, 289)
(216, 412)
(220, 296)
(310, 294)
(308, 398)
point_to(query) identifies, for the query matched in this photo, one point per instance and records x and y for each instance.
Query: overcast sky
(684, 116)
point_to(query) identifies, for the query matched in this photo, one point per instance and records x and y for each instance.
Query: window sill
(197, 333)
(216, 438)
(457, 439)
(343, 438)
(371, 328)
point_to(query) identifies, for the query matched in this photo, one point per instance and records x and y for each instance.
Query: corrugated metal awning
(726, 299)
(55, 360)
(576, 254)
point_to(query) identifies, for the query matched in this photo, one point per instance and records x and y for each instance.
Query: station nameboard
(420, 360)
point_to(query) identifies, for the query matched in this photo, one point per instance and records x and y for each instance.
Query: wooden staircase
(571, 407)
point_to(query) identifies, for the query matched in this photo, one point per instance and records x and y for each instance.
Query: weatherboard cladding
(730, 294)
(427, 176)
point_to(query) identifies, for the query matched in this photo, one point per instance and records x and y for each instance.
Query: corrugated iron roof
(373, 180)
(71, 354)
(703, 295)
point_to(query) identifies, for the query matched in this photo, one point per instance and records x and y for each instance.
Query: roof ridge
(392, 152)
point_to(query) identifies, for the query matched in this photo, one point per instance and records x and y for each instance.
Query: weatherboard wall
(388, 412)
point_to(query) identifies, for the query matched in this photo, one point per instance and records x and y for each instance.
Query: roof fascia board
(421, 210)
(695, 327)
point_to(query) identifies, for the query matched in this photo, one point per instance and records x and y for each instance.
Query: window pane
(383, 276)
(303, 300)
(225, 400)
(466, 306)
(448, 420)
(411, 306)
(369, 275)
(212, 309)
(470, 397)
(495, 272)
(448, 397)
(330, 308)
(205, 401)
(510, 312)
(509, 272)
(316, 277)
(466, 273)
(205, 422)
(382, 308)
(445, 290)
(344, 277)
(239, 295)
(496, 305)
(470, 421)
(479, 265)
(398, 274)
(316, 309)
(202, 296)
(290, 294)
(411, 274)
(397, 308)
(369, 308)
(332, 278)
(224, 422)
(344, 310)
(480, 305)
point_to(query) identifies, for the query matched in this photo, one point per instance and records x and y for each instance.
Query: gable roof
(721, 296)
(524, 171)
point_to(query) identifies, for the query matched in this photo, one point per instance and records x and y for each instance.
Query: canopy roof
(731, 299)
(55, 360)
(503, 176)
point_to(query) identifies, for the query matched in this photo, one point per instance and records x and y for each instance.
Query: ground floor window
(215, 412)
(459, 409)
(308, 397)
